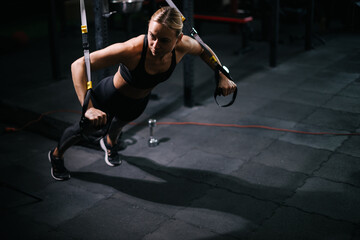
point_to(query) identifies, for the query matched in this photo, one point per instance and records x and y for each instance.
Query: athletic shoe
(58, 170)
(112, 157)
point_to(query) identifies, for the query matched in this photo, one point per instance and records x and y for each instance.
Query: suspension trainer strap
(85, 45)
(88, 132)
(212, 57)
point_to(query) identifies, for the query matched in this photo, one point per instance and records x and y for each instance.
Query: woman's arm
(191, 46)
(109, 56)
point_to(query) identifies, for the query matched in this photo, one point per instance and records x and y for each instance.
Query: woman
(145, 61)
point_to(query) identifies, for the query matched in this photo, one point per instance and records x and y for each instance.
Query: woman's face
(162, 39)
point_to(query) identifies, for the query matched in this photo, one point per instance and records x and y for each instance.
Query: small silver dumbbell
(153, 142)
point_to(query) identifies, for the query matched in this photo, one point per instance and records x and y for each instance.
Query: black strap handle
(217, 91)
(83, 119)
(87, 131)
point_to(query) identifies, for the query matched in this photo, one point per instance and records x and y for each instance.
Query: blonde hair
(170, 18)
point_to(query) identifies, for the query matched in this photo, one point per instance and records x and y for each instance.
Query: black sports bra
(139, 78)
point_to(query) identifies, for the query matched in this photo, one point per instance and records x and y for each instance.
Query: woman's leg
(115, 131)
(110, 143)
(70, 137)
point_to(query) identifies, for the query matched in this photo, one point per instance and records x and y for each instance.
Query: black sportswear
(139, 78)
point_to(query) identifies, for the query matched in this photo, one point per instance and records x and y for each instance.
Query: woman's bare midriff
(128, 91)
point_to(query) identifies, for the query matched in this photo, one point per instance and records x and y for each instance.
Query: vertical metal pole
(274, 32)
(53, 41)
(188, 10)
(309, 24)
(101, 30)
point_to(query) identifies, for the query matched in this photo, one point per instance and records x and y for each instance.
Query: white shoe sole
(52, 171)
(103, 147)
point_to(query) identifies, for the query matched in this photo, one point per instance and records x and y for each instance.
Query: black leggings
(120, 110)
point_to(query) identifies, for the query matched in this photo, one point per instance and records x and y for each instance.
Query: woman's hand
(226, 86)
(96, 117)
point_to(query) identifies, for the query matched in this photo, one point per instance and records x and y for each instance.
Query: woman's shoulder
(132, 45)
(125, 52)
(188, 45)
(183, 44)
(137, 41)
